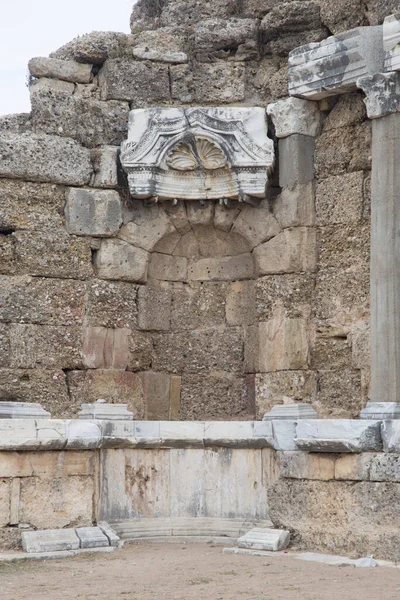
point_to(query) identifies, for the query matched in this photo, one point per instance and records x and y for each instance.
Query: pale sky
(31, 28)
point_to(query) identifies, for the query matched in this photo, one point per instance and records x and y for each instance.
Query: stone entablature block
(391, 42)
(198, 153)
(333, 66)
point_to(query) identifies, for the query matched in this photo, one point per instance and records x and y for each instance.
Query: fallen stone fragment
(264, 539)
(49, 540)
(91, 537)
(67, 70)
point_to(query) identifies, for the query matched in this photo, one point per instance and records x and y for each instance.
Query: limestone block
(283, 345)
(91, 537)
(60, 502)
(382, 94)
(108, 531)
(284, 386)
(228, 433)
(381, 410)
(301, 465)
(339, 435)
(284, 432)
(333, 387)
(83, 434)
(105, 348)
(45, 158)
(67, 70)
(175, 398)
(105, 167)
(334, 65)
(295, 207)
(92, 212)
(391, 41)
(102, 410)
(5, 498)
(219, 82)
(110, 385)
(154, 307)
(17, 433)
(165, 44)
(4, 346)
(47, 465)
(44, 301)
(22, 410)
(240, 303)
(156, 390)
(353, 467)
(111, 304)
(94, 47)
(211, 35)
(256, 225)
(291, 251)
(296, 160)
(294, 115)
(18, 123)
(118, 260)
(200, 213)
(291, 17)
(265, 539)
(188, 246)
(360, 347)
(45, 346)
(343, 150)
(218, 396)
(224, 269)
(83, 117)
(168, 243)
(178, 216)
(224, 216)
(134, 81)
(168, 268)
(391, 435)
(52, 253)
(339, 199)
(289, 294)
(49, 540)
(292, 412)
(384, 467)
(140, 351)
(179, 432)
(147, 235)
(196, 305)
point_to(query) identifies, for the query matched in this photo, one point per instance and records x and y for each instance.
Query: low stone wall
(200, 475)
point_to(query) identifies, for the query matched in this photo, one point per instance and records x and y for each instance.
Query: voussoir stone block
(93, 212)
(146, 235)
(116, 259)
(391, 436)
(256, 225)
(49, 540)
(44, 158)
(291, 251)
(294, 115)
(68, 70)
(167, 268)
(338, 435)
(283, 345)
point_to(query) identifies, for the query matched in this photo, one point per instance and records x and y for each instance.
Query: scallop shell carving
(209, 156)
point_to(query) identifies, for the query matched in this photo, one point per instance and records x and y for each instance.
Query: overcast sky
(31, 28)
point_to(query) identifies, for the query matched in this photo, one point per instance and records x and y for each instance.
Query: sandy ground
(192, 572)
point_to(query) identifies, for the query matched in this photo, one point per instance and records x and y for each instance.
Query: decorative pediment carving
(198, 153)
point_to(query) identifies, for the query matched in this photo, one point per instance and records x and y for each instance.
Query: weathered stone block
(283, 345)
(134, 81)
(339, 393)
(118, 260)
(147, 234)
(219, 83)
(293, 116)
(168, 243)
(381, 411)
(105, 348)
(284, 386)
(105, 167)
(66, 70)
(49, 540)
(111, 304)
(224, 216)
(60, 502)
(330, 353)
(18, 123)
(360, 346)
(94, 47)
(291, 17)
(301, 465)
(212, 35)
(91, 537)
(291, 251)
(47, 465)
(5, 490)
(112, 386)
(165, 44)
(256, 225)
(345, 248)
(290, 412)
(347, 149)
(264, 539)
(284, 434)
(340, 435)
(339, 199)
(216, 396)
(240, 306)
(45, 346)
(391, 435)
(213, 243)
(224, 269)
(93, 212)
(295, 207)
(140, 351)
(296, 160)
(154, 306)
(167, 268)
(44, 158)
(4, 346)
(196, 305)
(291, 294)
(156, 391)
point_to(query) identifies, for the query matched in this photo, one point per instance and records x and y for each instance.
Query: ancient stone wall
(196, 329)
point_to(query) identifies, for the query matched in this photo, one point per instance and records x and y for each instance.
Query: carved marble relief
(198, 153)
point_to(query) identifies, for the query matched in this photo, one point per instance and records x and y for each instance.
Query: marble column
(383, 105)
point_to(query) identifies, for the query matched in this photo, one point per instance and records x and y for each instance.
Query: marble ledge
(309, 435)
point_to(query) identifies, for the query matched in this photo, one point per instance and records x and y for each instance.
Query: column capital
(382, 94)
(294, 115)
